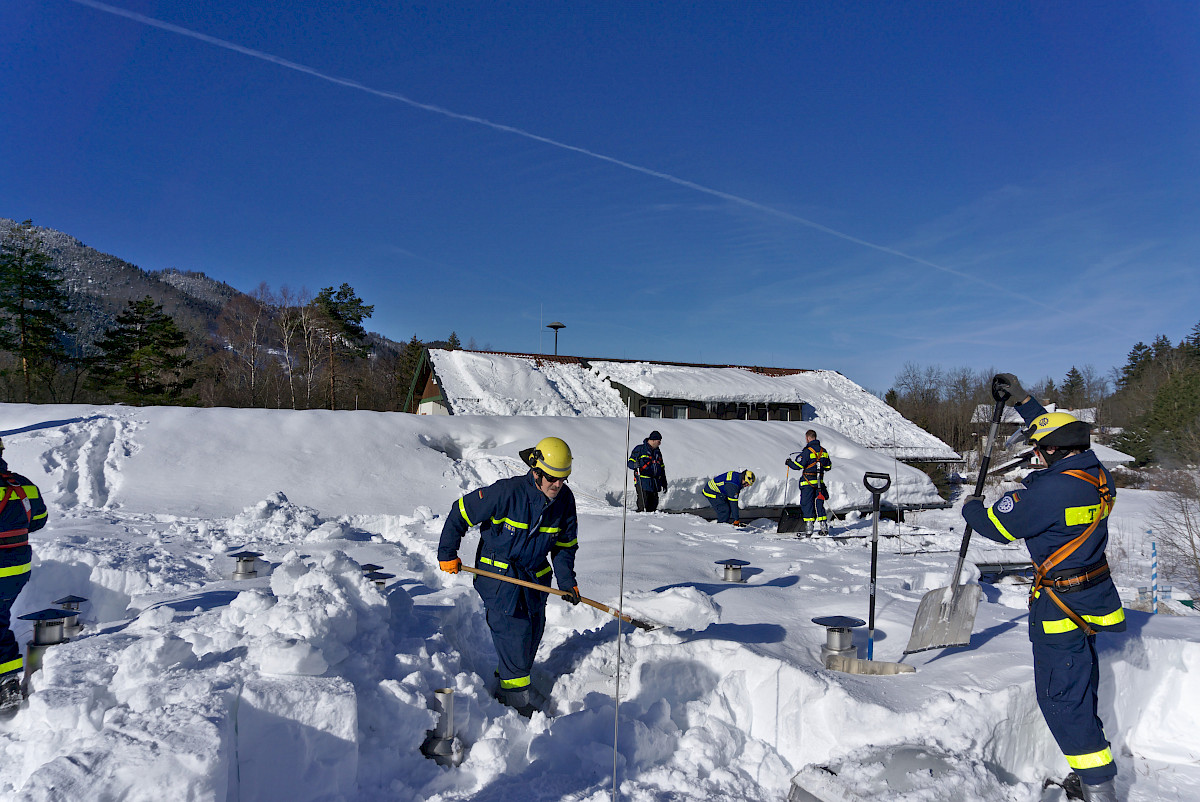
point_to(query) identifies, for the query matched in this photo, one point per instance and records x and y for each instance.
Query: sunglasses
(551, 479)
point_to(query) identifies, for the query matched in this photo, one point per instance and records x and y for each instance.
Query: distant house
(491, 383)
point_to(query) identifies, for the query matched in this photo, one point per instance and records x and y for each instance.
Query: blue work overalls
(812, 462)
(522, 534)
(22, 511)
(1055, 507)
(722, 493)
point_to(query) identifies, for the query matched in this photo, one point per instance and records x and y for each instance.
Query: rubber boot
(1104, 792)
(524, 700)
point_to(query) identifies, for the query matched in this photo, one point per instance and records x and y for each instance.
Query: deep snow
(308, 683)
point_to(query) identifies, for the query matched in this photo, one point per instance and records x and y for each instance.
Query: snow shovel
(946, 616)
(547, 589)
(791, 519)
(876, 491)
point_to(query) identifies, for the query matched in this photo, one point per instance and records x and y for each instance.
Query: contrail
(736, 199)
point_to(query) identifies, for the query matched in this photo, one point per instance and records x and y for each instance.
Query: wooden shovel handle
(547, 589)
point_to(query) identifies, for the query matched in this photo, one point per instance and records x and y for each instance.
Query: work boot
(1071, 784)
(11, 695)
(1104, 792)
(524, 700)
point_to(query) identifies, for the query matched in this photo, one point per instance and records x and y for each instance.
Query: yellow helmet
(551, 456)
(748, 477)
(1057, 430)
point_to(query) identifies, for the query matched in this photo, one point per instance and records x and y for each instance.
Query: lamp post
(556, 326)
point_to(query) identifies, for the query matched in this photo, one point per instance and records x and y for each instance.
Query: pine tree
(142, 358)
(342, 313)
(1136, 362)
(453, 344)
(1071, 391)
(33, 304)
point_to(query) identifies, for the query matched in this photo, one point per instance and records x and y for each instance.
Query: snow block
(298, 739)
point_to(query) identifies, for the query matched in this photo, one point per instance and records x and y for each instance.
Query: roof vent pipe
(441, 745)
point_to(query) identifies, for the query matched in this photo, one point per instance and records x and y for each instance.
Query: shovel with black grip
(946, 616)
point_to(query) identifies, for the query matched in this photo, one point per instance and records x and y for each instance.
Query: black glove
(1007, 383)
(662, 485)
(572, 596)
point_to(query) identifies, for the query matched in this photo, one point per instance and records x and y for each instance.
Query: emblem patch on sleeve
(1005, 504)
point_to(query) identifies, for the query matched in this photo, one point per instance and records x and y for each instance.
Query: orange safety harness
(13, 538)
(1093, 572)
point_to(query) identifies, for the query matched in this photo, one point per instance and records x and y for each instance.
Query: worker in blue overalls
(22, 511)
(527, 528)
(722, 494)
(812, 462)
(1061, 513)
(650, 475)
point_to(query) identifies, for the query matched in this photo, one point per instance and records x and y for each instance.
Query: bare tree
(243, 324)
(1176, 523)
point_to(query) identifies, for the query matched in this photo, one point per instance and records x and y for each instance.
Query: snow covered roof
(478, 383)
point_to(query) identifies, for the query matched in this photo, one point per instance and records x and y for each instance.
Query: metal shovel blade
(945, 618)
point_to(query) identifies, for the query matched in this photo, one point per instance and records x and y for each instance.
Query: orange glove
(450, 566)
(572, 596)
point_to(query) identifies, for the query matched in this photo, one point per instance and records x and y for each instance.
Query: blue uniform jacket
(726, 486)
(647, 464)
(812, 461)
(519, 528)
(18, 517)
(1051, 510)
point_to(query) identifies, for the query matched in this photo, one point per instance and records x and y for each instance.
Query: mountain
(100, 286)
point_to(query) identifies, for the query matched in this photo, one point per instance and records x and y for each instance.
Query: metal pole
(620, 596)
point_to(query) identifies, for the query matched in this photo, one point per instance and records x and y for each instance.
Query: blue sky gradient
(849, 186)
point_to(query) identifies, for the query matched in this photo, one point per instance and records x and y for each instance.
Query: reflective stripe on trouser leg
(516, 638)
(808, 503)
(1066, 674)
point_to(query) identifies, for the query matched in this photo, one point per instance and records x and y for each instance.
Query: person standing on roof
(650, 476)
(22, 511)
(527, 528)
(722, 493)
(812, 462)
(1061, 513)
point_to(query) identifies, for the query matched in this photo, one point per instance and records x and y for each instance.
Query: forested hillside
(78, 325)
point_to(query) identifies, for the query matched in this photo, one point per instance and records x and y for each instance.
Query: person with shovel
(22, 510)
(527, 529)
(1061, 513)
(812, 462)
(722, 494)
(650, 475)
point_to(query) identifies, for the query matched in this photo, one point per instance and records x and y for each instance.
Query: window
(679, 411)
(653, 410)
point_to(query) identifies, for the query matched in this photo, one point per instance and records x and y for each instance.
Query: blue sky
(836, 185)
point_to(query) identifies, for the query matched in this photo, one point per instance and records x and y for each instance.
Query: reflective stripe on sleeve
(544, 571)
(462, 510)
(11, 666)
(567, 544)
(992, 517)
(16, 570)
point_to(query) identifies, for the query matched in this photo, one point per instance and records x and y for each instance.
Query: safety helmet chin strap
(1059, 453)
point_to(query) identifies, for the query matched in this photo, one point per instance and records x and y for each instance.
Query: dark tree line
(284, 349)
(1151, 404)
